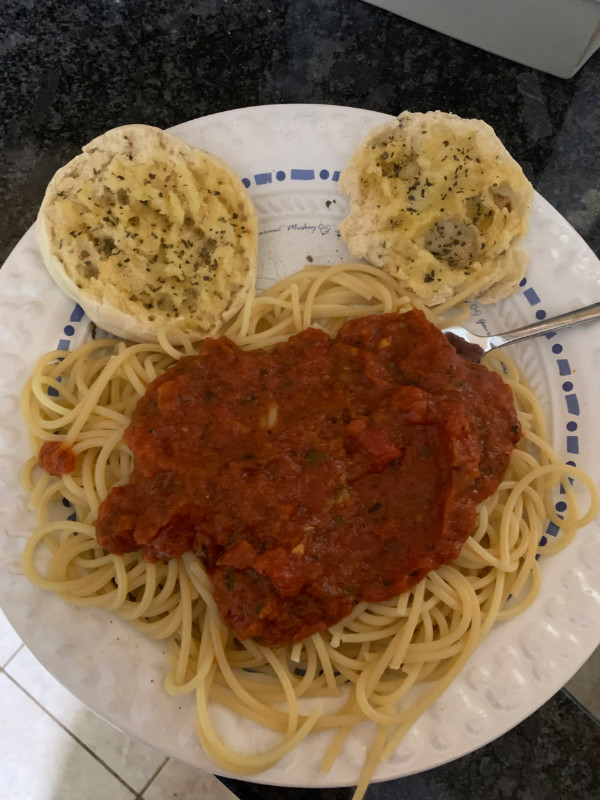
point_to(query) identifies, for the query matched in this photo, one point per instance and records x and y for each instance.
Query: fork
(487, 343)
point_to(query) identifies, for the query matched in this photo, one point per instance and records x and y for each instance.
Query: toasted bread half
(146, 232)
(438, 201)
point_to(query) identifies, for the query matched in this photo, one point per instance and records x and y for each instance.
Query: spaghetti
(388, 661)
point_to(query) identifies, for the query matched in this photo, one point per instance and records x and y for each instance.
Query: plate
(290, 159)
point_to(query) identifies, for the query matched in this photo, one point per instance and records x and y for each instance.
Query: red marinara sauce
(57, 458)
(310, 477)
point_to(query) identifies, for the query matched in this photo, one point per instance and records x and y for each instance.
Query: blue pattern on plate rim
(572, 403)
(532, 297)
(262, 178)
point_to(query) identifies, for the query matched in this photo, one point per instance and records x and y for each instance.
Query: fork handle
(545, 326)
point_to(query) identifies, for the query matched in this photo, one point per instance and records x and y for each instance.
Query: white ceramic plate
(290, 158)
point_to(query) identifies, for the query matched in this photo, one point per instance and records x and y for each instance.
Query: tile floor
(53, 748)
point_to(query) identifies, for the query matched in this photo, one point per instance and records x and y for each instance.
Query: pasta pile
(368, 666)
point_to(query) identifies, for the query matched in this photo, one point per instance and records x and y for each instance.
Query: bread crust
(145, 232)
(438, 202)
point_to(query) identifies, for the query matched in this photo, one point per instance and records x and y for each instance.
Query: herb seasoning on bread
(438, 202)
(146, 232)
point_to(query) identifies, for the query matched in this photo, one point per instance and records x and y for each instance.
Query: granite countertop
(73, 68)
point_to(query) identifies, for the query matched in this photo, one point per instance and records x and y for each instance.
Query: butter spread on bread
(144, 231)
(438, 202)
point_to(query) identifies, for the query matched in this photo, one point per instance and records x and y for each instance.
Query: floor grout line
(156, 773)
(10, 658)
(72, 735)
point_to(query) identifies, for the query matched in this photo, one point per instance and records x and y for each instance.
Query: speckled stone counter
(72, 69)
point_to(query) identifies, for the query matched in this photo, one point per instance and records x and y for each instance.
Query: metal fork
(488, 343)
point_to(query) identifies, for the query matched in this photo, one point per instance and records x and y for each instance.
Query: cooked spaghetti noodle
(387, 662)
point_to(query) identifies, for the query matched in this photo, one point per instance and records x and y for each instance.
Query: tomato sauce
(57, 458)
(308, 478)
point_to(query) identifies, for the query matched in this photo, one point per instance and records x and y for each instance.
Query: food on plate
(309, 478)
(438, 202)
(144, 231)
(388, 660)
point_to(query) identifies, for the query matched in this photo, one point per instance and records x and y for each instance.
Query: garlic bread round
(146, 232)
(437, 201)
